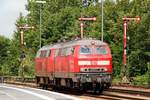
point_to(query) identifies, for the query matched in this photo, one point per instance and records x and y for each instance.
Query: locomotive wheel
(84, 87)
(69, 83)
(40, 82)
(98, 89)
(46, 80)
(107, 85)
(37, 81)
(42, 86)
(57, 82)
(45, 86)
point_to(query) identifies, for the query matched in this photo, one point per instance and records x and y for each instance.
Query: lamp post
(102, 18)
(102, 21)
(125, 24)
(40, 2)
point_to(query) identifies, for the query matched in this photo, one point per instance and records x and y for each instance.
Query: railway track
(111, 94)
(114, 93)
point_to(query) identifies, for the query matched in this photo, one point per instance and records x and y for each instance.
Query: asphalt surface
(12, 92)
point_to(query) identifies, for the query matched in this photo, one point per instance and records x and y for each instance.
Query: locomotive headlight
(105, 69)
(82, 69)
(104, 62)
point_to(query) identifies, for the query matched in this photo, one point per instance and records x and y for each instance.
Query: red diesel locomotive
(85, 64)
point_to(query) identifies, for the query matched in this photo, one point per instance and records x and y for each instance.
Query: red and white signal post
(22, 28)
(82, 24)
(22, 43)
(125, 24)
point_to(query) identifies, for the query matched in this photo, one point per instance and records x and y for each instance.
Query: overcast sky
(9, 12)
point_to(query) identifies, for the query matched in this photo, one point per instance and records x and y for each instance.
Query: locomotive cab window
(64, 51)
(101, 50)
(70, 51)
(57, 52)
(85, 50)
(49, 53)
(43, 53)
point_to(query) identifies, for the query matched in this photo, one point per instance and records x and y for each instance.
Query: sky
(9, 12)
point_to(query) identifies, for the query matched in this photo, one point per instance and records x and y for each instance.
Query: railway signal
(82, 19)
(22, 43)
(125, 24)
(22, 28)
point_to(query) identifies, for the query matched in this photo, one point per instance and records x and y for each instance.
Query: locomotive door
(66, 58)
(70, 60)
(43, 62)
(57, 63)
(64, 62)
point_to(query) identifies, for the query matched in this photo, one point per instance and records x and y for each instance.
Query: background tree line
(60, 21)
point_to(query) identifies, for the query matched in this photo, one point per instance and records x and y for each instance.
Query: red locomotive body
(84, 64)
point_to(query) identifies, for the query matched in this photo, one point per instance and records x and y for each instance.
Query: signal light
(81, 24)
(94, 18)
(138, 18)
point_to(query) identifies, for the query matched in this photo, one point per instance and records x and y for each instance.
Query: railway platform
(12, 92)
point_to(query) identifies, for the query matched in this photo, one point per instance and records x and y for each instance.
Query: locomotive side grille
(102, 69)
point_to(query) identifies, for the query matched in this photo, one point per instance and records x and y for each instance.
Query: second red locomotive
(85, 64)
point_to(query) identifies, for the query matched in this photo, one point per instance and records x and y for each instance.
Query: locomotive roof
(72, 43)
